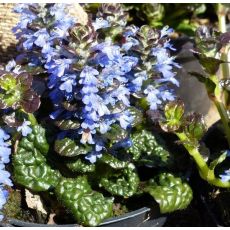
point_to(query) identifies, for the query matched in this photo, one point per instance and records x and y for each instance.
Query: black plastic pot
(139, 218)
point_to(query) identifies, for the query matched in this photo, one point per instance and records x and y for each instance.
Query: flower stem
(224, 118)
(217, 100)
(221, 14)
(205, 172)
(32, 119)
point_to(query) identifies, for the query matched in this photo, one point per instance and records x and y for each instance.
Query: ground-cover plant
(82, 136)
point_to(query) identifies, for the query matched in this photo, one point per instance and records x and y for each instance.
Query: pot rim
(12, 221)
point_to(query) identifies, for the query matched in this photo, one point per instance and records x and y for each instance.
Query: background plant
(210, 47)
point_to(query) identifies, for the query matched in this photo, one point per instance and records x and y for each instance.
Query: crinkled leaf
(113, 161)
(30, 164)
(30, 101)
(89, 208)
(67, 124)
(116, 133)
(146, 149)
(68, 148)
(80, 166)
(68, 106)
(137, 115)
(194, 126)
(170, 192)
(120, 178)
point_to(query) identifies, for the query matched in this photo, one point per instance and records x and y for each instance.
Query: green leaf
(194, 127)
(7, 82)
(170, 192)
(174, 112)
(80, 166)
(67, 124)
(137, 114)
(146, 149)
(210, 64)
(68, 148)
(217, 161)
(30, 164)
(89, 208)
(120, 178)
(116, 134)
(210, 85)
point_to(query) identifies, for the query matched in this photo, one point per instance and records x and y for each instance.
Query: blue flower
(225, 177)
(58, 66)
(125, 119)
(3, 135)
(58, 11)
(87, 136)
(3, 198)
(152, 97)
(25, 128)
(127, 63)
(10, 65)
(4, 176)
(5, 150)
(138, 80)
(122, 94)
(27, 16)
(92, 157)
(130, 41)
(100, 23)
(165, 65)
(166, 31)
(111, 51)
(69, 80)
